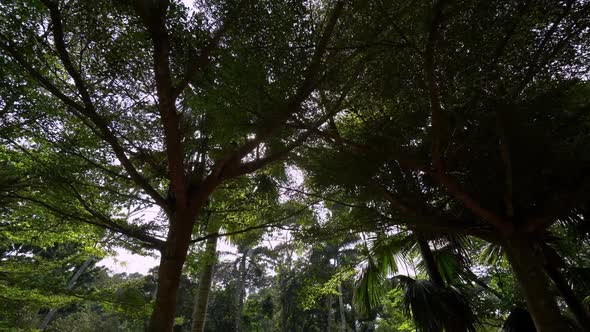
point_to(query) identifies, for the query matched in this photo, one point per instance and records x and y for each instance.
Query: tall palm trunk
(240, 289)
(430, 263)
(341, 307)
(206, 277)
(330, 316)
(354, 319)
(283, 283)
(284, 316)
(573, 302)
(431, 267)
(526, 261)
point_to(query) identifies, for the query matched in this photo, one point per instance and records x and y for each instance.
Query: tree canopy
(365, 134)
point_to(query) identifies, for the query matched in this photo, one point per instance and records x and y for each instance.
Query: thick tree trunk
(430, 263)
(573, 302)
(205, 279)
(526, 261)
(172, 260)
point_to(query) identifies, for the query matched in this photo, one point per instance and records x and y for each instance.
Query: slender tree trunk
(430, 263)
(205, 279)
(240, 289)
(354, 320)
(172, 260)
(341, 307)
(431, 267)
(526, 261)
(70, 285)
(284, 302)
(573, 302)
(284, 316)
(330, 316)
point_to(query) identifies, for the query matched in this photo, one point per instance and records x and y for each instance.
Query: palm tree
(212, 224)
(204, 286)
(553, 264)
(434, 304)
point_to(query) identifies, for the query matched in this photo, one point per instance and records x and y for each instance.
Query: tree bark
(341, 306)
(354, 320)
(573, 302)
(330, 316)
(172, 260)
(240, 288)
(430, 263)
(284, 300)
(205, 279)
(431, 267)
(526, 261)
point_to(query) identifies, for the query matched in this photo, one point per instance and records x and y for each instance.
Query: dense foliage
(329, 165)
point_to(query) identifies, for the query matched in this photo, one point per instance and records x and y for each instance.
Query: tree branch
(85, 112)
(153, 242)
(452, 186)
(58, 37)
(395, 201)
(153, 15)
(247, 229)
(327, 199)
(11, 50)
(433, 87)
(234, 158)
(204, 57)
(248, 167)
(534, 62)
(507, 160)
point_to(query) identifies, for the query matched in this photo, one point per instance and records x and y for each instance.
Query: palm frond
(491, 254)
(399, 244)
(461, 245)
(434, 308)
(369, 289)
(451, 265)
(372, 284)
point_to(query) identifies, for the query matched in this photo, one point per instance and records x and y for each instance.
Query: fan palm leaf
(435, 309)
(372, 282)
